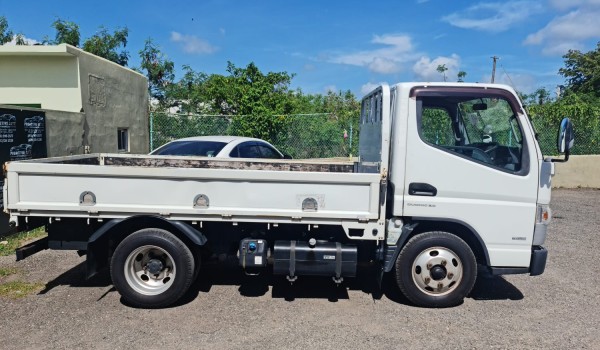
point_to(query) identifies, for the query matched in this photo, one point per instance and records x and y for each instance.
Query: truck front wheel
(436, 269)
(152, 268)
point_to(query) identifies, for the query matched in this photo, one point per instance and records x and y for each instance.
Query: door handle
(421, 189)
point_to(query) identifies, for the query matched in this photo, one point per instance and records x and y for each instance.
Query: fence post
(151, 132)
(350, 147)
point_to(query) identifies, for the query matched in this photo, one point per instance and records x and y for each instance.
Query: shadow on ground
(75, 277)
(487, 287)
(490, 287)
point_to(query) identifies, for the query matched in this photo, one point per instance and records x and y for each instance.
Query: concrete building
(91, 104)
(87, 105)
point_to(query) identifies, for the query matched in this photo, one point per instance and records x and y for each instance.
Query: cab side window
(483, 129)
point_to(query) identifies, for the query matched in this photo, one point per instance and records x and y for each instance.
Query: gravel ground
(557, 310)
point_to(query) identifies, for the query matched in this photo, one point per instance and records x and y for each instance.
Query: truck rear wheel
(152, 268)
(436, 269)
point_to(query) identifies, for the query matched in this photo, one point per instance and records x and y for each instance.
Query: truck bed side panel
(55, 189)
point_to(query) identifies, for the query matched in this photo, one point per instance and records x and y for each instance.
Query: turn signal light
(544, 214)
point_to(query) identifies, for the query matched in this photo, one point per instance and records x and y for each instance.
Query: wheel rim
(437, 271)
(149, 270)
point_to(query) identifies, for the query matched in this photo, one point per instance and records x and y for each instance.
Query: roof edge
(53, 50)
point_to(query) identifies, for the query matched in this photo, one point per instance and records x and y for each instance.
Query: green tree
(461, 76)
(158, 69)
(253, 96)
(261, 105)
(109, 46)
(338, 128)
(542, 95)
(189, 93)
(582, 70)
(20, 39)
(66, 32)
(583, 109)
(6, 35)
(250, 92)
(325, 125)
(441, 68)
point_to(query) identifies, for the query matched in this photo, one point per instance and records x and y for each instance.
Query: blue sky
(342, 45)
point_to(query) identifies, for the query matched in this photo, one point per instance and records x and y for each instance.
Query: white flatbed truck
(449, 177)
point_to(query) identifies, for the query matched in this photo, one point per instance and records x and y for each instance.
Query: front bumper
(537, 264)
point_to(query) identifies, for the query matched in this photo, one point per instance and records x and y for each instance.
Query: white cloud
(567, 31)
(383, 65)
(493, 16)
(564, 5)
(398, 49)
(402, 42)
(368, 87)
(309, 67)
(28, 41)
(426, 68)
(193, 44)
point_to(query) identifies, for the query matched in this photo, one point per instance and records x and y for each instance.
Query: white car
(220, 147)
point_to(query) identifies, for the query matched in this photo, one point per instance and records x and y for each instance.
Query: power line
(508, 76)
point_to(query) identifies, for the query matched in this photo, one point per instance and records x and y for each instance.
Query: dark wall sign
(22, 136)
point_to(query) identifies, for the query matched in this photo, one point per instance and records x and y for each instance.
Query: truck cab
(465, 170)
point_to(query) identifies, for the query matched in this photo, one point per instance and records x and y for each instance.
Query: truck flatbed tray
(191, 188)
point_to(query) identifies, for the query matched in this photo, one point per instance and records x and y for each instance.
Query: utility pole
(495, 58)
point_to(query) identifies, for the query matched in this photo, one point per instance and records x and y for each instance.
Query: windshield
(490, 120)
(191, 148)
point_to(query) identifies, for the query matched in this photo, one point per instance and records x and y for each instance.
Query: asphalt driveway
(226, 310)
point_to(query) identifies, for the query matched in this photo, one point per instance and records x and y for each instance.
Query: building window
(122, 140)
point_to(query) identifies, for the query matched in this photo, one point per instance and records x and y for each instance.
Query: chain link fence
(587, 138)
(301, 136)
(322, 135)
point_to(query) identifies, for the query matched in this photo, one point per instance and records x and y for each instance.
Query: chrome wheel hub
(437, 271)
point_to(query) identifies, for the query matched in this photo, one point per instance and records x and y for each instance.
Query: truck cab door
(471, 161)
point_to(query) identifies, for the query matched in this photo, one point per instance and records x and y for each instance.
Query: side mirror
(565, 139)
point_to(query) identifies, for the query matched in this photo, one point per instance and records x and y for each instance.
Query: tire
(436, 269)
(152, 268)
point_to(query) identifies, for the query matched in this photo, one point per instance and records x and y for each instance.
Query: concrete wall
(113, 98)
(579, 171)
(64, 133)
(51, 81)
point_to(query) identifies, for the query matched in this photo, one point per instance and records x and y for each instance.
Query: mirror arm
(558, 160)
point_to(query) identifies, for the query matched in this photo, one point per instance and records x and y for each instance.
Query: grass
(10, 243)
(19, 289)
(7, 271)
